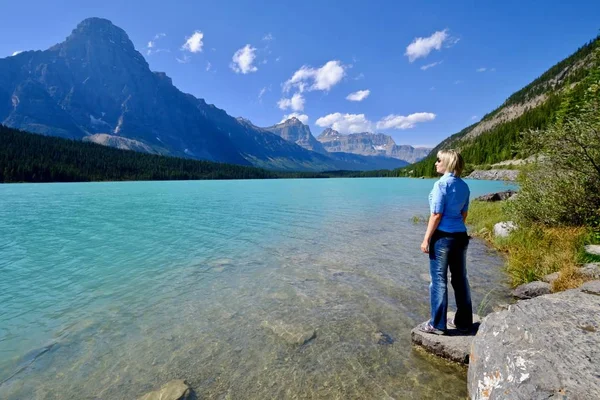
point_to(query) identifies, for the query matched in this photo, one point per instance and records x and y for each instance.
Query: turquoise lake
(109, 290)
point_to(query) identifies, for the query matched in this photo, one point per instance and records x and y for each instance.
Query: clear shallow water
(109, 290)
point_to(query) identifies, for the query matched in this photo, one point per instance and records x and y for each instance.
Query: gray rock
(543, 348)
(500, 307)
(593, 249)
(454, 345)
(503, 229)
(293, 334)
(531, 290)
(499, 196)
(550, 278)
(590, 271)
(591, 287)
(176, 389)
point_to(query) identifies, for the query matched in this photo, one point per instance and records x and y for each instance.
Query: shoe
(428, 328)
(451, 325)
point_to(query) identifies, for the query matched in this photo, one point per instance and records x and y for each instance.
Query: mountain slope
(95, 82)
(370, 144)
(545, 100)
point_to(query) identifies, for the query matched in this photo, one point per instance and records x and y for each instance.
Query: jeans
(449, 250)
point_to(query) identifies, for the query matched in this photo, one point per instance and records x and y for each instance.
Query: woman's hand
(425, 246)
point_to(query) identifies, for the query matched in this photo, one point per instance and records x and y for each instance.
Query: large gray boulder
(547, 347)
(176, 389)
(531, 290)
(454, 345)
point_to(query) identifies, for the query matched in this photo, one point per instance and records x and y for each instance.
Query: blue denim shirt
(450, 197)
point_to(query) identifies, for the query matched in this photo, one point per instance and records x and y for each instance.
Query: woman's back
(450, 197)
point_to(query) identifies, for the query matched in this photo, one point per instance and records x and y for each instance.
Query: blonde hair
(452, 161)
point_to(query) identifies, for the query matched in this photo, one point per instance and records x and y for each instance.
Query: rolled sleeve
(438, 195)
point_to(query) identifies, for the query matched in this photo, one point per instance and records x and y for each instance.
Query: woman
(446, 241)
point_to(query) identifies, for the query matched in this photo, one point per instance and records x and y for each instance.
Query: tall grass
(532, 251)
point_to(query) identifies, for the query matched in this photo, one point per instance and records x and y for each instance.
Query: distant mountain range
(96, 87)
(370, 144)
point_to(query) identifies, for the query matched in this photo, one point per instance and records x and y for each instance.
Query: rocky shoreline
(495, 174)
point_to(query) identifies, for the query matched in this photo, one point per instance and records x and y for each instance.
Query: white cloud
(421, 47)
(17, 52)
(346, 123)
(474, 117)
(243, 59)
(268, 37)
(278, 59)
(482, 69)
(262, 92)
(302, 117)
(359, 95)
(208, 66)
(359, 77)
(324, 78)
(404, 122)
(458, 82)
(194, 43)
(426, 67)
(296, 103)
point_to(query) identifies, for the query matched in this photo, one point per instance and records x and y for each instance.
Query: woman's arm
(434, 221)
(464, 215)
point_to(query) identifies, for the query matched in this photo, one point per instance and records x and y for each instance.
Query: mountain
(370, 144)
(295, 131)
(96, 86)
(555, 94)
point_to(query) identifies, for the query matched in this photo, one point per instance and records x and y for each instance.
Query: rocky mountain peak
(98, 40)
(100, 29)
(293, 121)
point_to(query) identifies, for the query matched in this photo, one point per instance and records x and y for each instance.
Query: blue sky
(265, 60)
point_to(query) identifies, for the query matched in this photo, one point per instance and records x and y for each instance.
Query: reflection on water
(251, 289)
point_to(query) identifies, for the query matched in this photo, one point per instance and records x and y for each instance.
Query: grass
(533, 251)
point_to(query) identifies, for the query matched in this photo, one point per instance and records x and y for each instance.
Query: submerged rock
(176, 389)
(531, 290)
(293, 334)
(454, 345)
(547, 347)
(383, 338)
